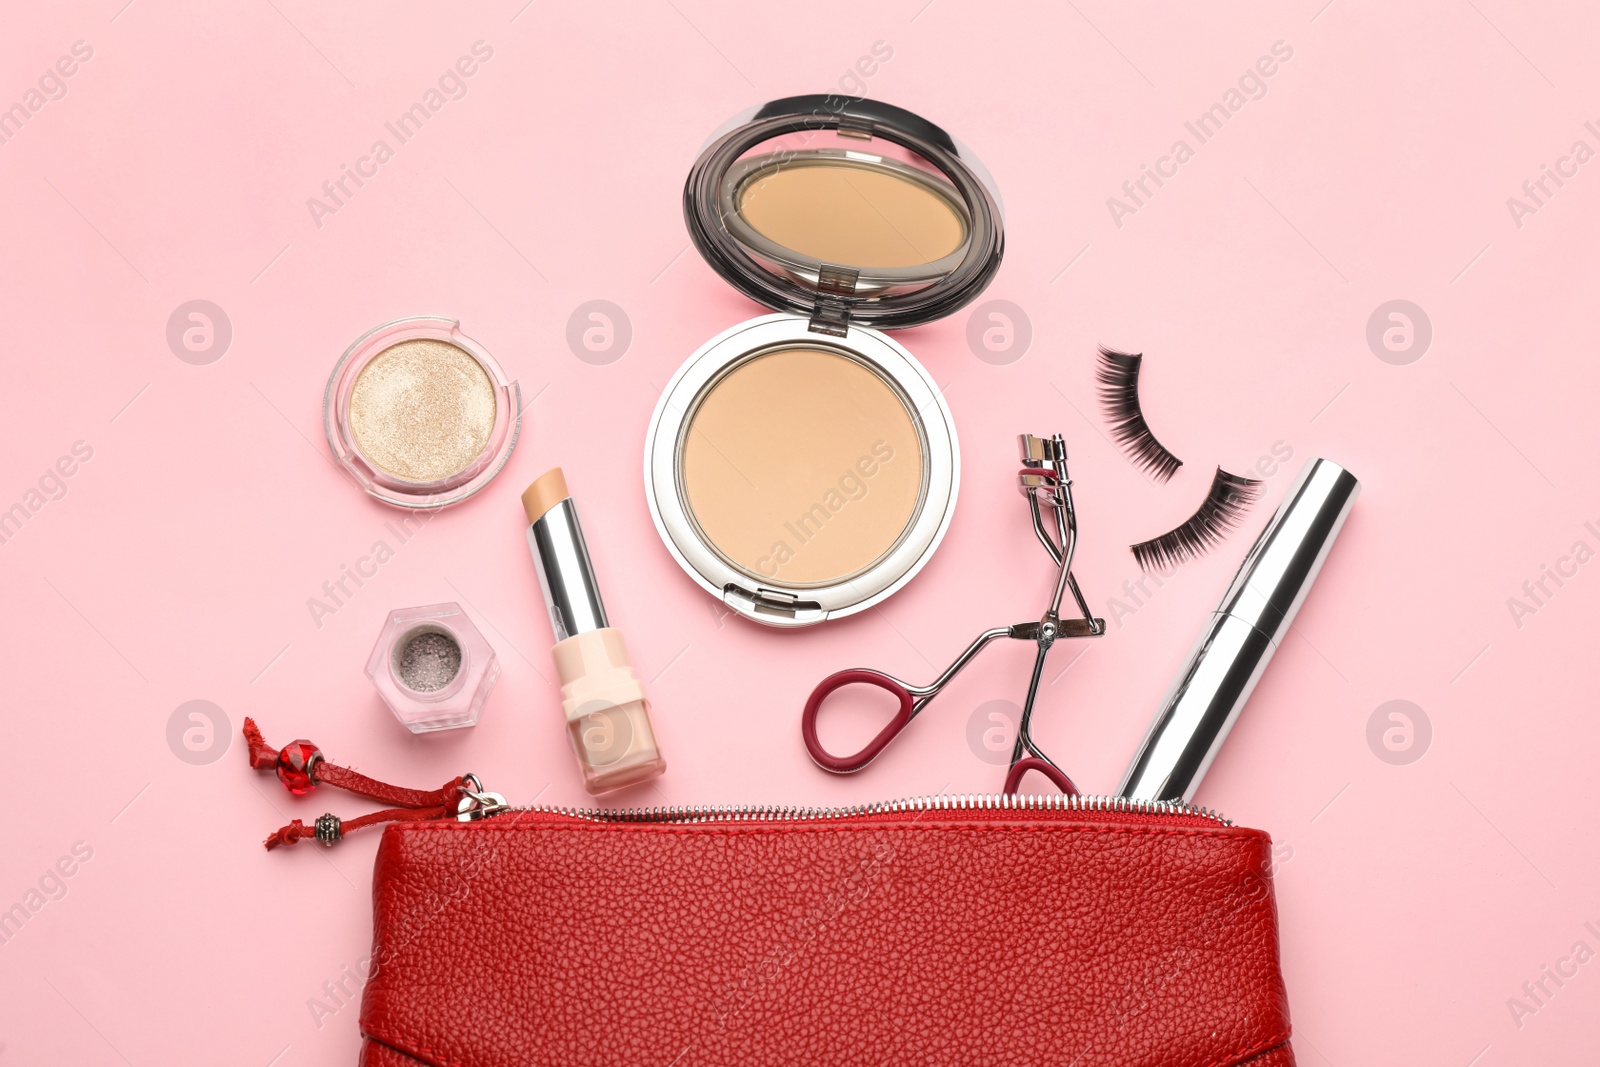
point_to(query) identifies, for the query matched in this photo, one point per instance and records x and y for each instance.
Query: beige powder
(852, 216)
(422, 410)
(802, 466)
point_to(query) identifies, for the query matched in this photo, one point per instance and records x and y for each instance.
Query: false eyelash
(1226, 502)
(1118, 374)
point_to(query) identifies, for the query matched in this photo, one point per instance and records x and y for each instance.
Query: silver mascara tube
(1238, 641)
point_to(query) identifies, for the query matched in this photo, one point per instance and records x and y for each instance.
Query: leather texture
(973, 937)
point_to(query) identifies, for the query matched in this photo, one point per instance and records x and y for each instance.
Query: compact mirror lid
(845, 210)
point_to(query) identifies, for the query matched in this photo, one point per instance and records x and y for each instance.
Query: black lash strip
(1118, 374)
(1226, 502)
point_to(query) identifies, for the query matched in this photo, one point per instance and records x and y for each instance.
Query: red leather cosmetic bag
(952, 930)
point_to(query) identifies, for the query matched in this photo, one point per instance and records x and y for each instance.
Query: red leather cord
(407, 805)
(288, 835)
(355, 782)
(263, 757)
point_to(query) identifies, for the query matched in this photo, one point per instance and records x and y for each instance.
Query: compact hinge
(855, 128)
(831, 317)
(832, 314)
(773, 602)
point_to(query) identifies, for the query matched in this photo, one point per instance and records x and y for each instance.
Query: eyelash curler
(1044, 481)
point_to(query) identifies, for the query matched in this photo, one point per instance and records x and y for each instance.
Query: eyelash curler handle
(838, 680)
(1057, 776)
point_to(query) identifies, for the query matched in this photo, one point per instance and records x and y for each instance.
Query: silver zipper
(475, 806)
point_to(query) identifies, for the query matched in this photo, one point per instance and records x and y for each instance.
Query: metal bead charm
(328, 829)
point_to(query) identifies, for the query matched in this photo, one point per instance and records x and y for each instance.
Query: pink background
(1416, 899)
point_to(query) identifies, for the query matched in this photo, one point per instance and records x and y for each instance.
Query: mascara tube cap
(1241, 635)
(1277, 574)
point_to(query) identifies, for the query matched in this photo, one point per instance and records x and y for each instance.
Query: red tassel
(263, 757)
(301, 767)
(288, 835)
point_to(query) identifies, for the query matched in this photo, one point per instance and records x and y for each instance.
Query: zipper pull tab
(301, 767)
(476, 802)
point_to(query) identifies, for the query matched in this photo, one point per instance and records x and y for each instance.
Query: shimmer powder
(802, 466)
(852, 216)
(427, 661)
(422, 410)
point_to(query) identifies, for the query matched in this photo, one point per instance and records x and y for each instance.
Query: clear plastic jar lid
(419, 414)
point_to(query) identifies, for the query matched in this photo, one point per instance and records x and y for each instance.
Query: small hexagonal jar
(433, 668)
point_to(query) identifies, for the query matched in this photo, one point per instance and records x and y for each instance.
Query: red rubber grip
(808, 719)
(1050, 771)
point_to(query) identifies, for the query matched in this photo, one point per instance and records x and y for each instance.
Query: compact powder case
(419, 414)
(802, 465)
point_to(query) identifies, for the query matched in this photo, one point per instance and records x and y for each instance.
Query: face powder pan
(802, 465)
(419, 414)
(827, 496)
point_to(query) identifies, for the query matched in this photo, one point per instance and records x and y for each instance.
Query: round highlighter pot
(419, 414)
(803, 466)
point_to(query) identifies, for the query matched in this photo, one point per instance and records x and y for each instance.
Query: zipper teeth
(947, 802)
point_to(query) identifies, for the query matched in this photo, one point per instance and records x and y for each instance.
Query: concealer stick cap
(547, 490)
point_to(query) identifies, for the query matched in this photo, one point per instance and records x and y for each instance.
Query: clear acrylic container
(433, 668)
(387, 486)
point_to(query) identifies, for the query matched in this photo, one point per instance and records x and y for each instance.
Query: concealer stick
(608, 718)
